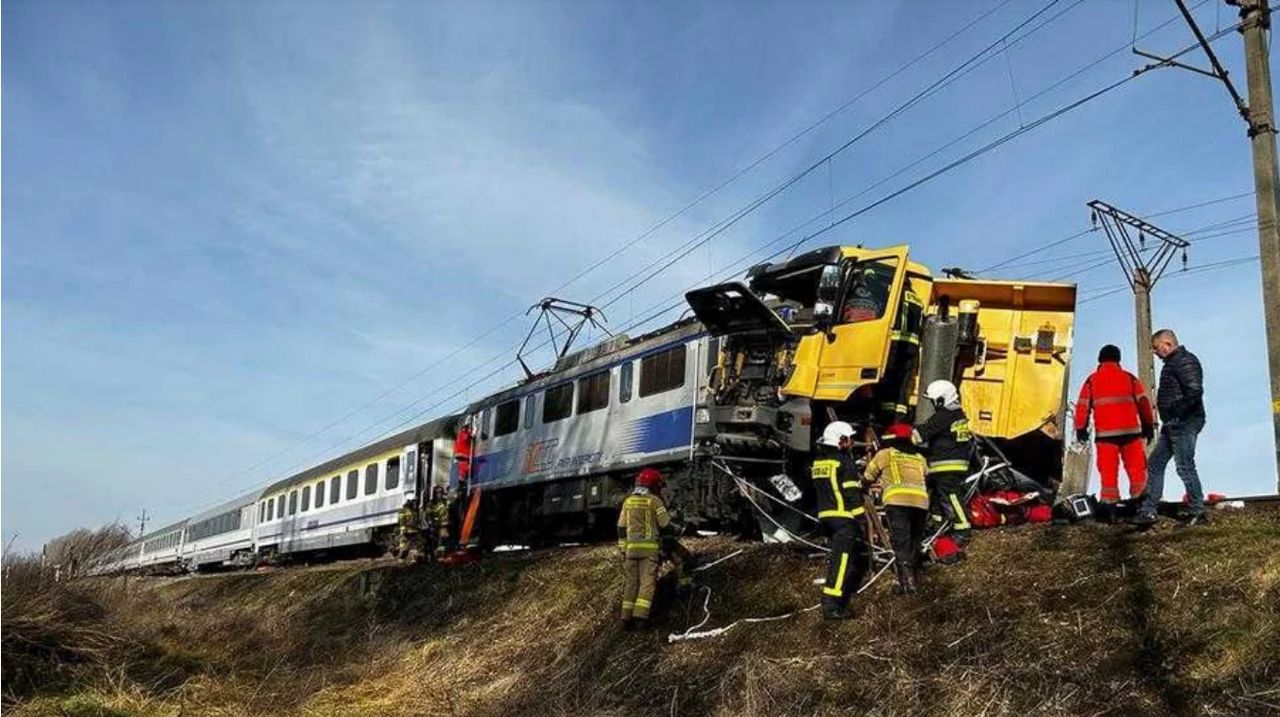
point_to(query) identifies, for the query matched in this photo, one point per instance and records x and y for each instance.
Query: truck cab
(829, 334)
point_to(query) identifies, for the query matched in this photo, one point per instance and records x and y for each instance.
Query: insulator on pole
(1184, 259)
(1142, 240)
(1093, 217)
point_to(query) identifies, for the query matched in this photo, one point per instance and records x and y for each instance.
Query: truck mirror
(823, 318)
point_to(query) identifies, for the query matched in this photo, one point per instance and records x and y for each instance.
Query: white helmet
(834, 431)
(943, 394)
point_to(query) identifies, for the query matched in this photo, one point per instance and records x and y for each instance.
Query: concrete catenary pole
(1142, 323)
(1255, 16)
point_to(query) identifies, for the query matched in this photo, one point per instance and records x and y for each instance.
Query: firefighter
(839, 491)
(948, 447)
(408, 546)
(1122, 424)
(904, 349)
(438, 520)
(900, 470)
(641, 521)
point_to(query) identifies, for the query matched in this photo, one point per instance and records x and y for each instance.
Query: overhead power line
(902, 190)
(789, 141)
(1045, 247)
(1226, 263)
(963, 160)
(660, 265)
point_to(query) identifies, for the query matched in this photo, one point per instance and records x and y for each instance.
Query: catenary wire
(972, 155)
(792, 139)
(929, 177)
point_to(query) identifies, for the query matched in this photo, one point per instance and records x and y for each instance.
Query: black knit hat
(1109, 353)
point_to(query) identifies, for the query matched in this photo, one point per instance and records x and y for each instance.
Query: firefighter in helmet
(437, 514)
(838, 485)
(408, 546)
(641, 522)
(948, 443)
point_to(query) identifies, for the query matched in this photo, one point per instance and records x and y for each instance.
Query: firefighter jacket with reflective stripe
(837, 484)
(1117, 400)
(407, 519)
(910, 318)
(902, 475)
(640, 523)
(439, 513)
(948, 439)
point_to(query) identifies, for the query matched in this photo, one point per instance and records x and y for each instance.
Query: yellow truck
(855, 334)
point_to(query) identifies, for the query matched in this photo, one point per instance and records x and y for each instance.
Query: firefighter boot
(905, 586)
(834, 609)
(910, 575)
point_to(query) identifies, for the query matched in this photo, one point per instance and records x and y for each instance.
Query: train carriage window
(530, 409)
(352, 486)
(393, 473)
(293, 502)
(370, 478)
(662, 371)
(335, 489)
(713, 355)
(262, 511)
(306, 498)
(507, 418)
(319, 494)
(279, 507)
(484, 424)
(593, 392)
(557, 403)
(410, 467)
(626, 374)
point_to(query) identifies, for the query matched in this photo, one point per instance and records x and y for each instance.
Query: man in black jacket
(1180, 399)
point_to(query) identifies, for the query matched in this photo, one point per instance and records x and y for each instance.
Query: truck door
(863, 309)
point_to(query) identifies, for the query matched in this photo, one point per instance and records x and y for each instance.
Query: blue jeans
(1177, 441)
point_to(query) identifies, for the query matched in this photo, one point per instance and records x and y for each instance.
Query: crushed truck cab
(855, 333)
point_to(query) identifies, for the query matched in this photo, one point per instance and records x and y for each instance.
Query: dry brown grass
(1088, 620)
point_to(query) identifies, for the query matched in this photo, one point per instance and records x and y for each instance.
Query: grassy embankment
(1040, 620)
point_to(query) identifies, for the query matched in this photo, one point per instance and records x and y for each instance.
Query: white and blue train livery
(555, 454)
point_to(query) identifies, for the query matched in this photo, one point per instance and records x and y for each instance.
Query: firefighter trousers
(638, 577)
(894, 387)
(1111, 451)
(848, 560)
(947, 501)
(906, 531)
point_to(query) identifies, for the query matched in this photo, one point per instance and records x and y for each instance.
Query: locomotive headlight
(702, 415)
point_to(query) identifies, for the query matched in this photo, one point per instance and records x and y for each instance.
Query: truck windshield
(868, 294)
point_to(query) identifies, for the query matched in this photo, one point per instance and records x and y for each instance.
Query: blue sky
(227, 224)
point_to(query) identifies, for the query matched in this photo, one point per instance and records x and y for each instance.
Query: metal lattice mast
(1143, 266)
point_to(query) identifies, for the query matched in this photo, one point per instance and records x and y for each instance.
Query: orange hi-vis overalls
(1121, 412)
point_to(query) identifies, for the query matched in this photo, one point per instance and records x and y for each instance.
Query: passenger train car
(349, 502)
(353, 499)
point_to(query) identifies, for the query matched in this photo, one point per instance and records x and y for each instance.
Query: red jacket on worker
(1117, 400)
(462, 449)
